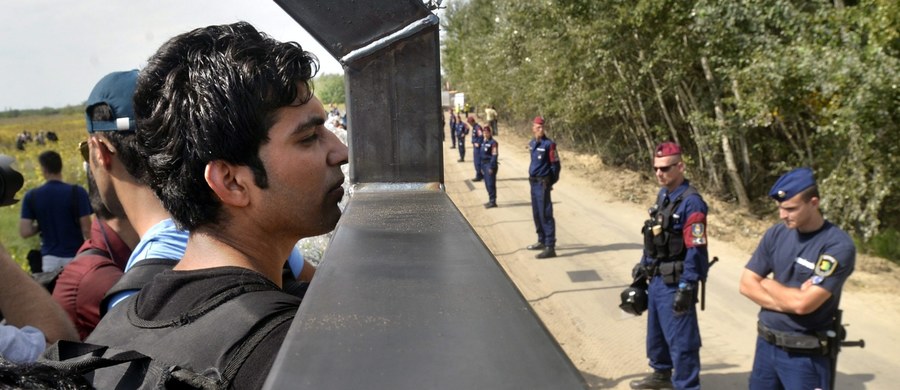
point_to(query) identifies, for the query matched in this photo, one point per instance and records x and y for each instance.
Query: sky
(52, 52)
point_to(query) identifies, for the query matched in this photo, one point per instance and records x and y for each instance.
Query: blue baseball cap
(792, 183)
(116, 90)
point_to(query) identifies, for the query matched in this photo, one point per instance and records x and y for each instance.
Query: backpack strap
(136, 278)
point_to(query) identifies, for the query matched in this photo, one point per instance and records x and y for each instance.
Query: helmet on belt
(634, 298)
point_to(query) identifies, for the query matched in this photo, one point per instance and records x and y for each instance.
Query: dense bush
(750, 89)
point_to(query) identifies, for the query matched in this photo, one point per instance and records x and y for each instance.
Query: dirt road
(577, 294)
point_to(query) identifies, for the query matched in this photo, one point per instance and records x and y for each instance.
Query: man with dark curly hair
(237, 151)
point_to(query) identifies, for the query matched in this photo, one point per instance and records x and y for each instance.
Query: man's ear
(229, 182)
(102, 151)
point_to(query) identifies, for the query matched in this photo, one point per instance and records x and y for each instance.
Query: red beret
(667, 149)
(539, 120)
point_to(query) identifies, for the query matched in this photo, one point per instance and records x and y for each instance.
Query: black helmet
(634, 298)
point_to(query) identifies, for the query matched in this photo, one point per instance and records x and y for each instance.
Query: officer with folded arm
(809, 260)
(674, 261)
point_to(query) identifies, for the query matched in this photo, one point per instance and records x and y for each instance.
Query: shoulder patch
(825, 266)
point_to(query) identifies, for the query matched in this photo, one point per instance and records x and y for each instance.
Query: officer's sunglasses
(85, 150)
(664, 169)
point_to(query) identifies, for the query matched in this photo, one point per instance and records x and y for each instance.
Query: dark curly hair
(211, 94)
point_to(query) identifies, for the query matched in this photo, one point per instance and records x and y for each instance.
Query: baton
(703, 285)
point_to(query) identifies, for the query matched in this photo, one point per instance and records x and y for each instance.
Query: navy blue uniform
(543, 173)
(673, 340)
(452, 131)
(461, 132)
(792, 258)
(490, 149)
(477, 139)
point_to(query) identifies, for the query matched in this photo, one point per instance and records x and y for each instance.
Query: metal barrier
(408, 296)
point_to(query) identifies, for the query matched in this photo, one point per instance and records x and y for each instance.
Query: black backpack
(114, 368)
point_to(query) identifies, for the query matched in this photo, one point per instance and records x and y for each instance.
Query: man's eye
(311, 138)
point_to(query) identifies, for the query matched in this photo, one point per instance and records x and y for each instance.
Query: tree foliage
(329, 88)
(750, 89)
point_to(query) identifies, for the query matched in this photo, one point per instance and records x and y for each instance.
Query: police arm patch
(825, 266)
(694, 231)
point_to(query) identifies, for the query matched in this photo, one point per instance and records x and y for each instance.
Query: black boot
(536, 246)
(656, 380)
(547, 253)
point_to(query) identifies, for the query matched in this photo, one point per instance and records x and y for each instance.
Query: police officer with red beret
(543, 173)
(675, 260)
(809, 259)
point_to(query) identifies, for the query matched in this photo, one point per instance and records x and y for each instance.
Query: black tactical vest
(661, 240)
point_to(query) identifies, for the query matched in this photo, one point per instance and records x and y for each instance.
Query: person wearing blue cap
(809, 259)
(674, 261)
(59, 211)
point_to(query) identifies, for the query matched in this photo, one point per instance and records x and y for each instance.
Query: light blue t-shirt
(21, 345)
(165, 241)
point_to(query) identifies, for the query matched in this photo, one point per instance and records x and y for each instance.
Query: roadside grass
(70, 129)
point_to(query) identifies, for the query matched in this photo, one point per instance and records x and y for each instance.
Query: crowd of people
(201, 190)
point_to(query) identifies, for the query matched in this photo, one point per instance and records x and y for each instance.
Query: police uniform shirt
(826, 256)
(487, 152)
(543, 157)
(691, 222)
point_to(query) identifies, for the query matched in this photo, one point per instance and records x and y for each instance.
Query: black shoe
(547, 253)
(460, 160)
(656, 380)
(477, 179)
(453, 147)
(536, 246)
(490, 205)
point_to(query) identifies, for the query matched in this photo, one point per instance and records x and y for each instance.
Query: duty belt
(793, 342)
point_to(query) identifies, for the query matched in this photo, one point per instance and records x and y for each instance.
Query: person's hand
(684, 298)
(639, 272)
(490, 172)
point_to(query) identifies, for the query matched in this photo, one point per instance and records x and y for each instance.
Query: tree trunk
(662, 107)
(699, 137)
(736, 181)
(742, 137)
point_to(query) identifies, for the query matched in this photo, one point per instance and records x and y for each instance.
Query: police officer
(810, 259)
(461, 131)
(477, 139)
(675, 260)
(543, 173)
(489, 152)
(452, 130)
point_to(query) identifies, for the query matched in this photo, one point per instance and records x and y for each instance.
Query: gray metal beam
(407, 296)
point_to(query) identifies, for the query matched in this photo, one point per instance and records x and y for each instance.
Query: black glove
(639, 272)
(684, 298)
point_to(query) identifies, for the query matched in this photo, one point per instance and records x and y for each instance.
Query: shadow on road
(568, 251)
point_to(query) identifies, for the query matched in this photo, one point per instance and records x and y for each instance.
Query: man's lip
(339, 187)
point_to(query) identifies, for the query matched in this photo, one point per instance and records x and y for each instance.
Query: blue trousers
(673, 341)
(461, 146)
(452, 136)
(490, 180)
(476, 157)
(777, 369)
(542, 211)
